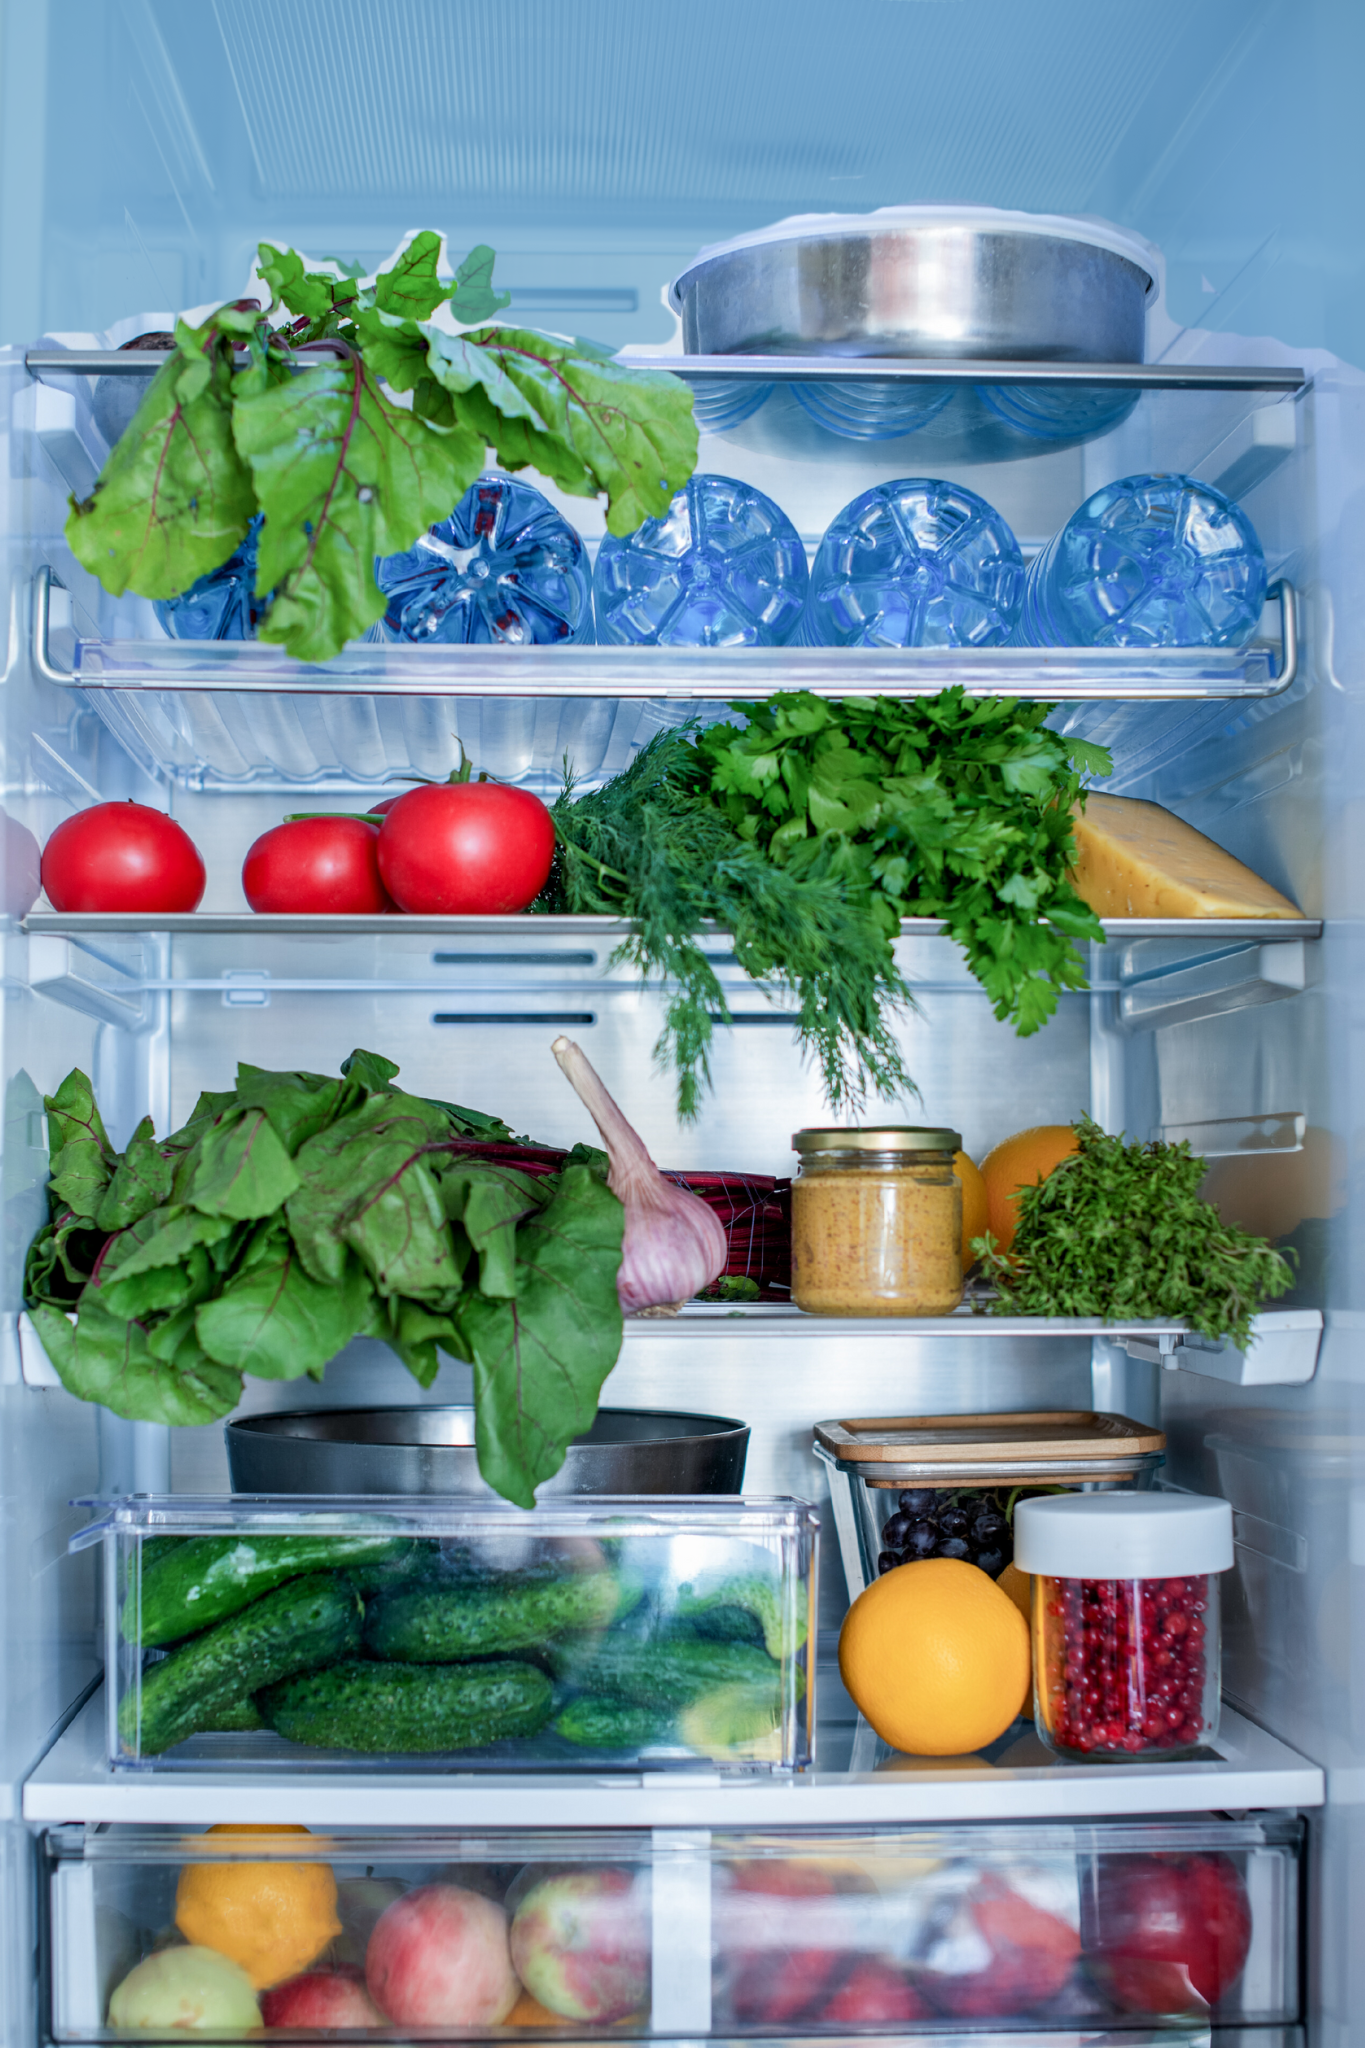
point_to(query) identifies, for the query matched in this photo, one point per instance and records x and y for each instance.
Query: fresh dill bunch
(652, 846)
(1120, 1231)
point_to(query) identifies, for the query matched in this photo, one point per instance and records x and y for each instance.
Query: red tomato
(325, 866)
(465, 848)
(1174, 1931)
(122, 857)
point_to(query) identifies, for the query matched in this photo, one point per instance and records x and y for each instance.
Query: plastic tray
(371, 1633)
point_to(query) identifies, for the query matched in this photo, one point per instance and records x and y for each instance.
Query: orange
(1019, 1162)
(1019, 1586)
(273, 1919)
(974, 1209)
(936, 1657)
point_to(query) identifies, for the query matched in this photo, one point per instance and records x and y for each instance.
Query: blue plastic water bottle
(872, 408)
(724, 567)
(222, 605)
(1150, 561)
(719, 403)
(915, 563)
(504, 569)
(1059, 412)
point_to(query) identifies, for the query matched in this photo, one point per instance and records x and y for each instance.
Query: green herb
(296, 1212)
(808, 834)
(1119, 1231)
(341, 472)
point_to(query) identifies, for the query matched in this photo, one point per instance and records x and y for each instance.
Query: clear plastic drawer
(1060, 1931)
(249, 1634)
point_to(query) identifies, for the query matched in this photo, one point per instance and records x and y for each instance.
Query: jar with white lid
(1125, 1620)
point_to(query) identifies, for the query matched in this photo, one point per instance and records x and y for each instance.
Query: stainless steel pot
(957, 285)
(431, 1450)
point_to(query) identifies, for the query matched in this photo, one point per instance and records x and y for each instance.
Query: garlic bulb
(674, 1245)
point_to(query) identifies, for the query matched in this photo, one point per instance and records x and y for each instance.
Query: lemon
(273, 1919)
(1019, 1162)
(936, 1657)
(1019, 1586)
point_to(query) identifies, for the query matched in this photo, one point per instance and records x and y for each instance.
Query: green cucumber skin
(600, 1721)
(447, 1624)
(206, 1578)
(401, 1709)
(310, 1622)
(670, 1673)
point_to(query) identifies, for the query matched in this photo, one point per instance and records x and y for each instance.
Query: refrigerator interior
(144, 149)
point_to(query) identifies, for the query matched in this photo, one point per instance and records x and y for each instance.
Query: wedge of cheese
(1138, 860)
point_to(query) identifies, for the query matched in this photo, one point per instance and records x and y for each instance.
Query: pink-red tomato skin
(122, 857)
(466, 849)
(323, 867)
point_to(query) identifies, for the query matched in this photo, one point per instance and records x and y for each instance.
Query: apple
(773, 1929)
(321, 1998)
(874, 1995)
(581, 1943)
(1017, 1955)
(360, 1901)
(1172, 1931)
(185, 1988)
(438, 1957)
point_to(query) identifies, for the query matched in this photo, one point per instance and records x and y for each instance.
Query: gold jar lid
(885, 1138)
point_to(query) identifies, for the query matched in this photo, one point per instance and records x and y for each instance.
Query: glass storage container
(1079, 1931)
(1125, 1620)
(877, 1222)
(292, 1634)
(910, 1486)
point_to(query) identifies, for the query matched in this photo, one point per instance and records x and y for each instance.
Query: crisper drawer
(1106, 1927)
(603, 1633)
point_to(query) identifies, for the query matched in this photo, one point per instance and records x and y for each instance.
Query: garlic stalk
(674, 1244)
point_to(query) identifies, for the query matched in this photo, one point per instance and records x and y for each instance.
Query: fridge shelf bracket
(705, 675)
(1284, 1352)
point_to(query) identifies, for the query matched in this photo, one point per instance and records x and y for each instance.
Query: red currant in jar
(1125, 1620)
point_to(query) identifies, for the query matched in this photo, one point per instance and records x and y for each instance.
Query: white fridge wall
(144, 147)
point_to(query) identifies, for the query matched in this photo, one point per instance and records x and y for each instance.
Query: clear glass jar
(1125, 1620)
(877, 1222)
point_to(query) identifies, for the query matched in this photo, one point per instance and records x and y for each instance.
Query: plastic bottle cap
(1123, 1535)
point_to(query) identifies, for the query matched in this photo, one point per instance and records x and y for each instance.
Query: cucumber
(445, 1624)
(671, 1672)
(235, 1718)
(743, 1607)
(403, 1708)
(601, 1721)
(310, 1622)
(203, 1579)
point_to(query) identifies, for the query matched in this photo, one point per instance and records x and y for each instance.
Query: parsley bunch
(374, 436)
(1119, 1231)
(808, 833)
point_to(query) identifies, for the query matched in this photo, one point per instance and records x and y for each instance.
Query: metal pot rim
(1089, 229)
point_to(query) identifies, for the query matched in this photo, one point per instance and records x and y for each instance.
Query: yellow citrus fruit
(1019, 1586)
(936, 1657)
(975, 1213)
(1019, 1162)
(273, 1919)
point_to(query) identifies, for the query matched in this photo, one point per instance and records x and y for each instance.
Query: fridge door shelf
(1285, 1351)
(666, 675)
(855, 1782)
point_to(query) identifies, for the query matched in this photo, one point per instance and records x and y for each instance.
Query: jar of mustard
(877, 1222)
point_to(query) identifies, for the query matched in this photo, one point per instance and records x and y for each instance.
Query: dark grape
(922, 1540)
(953, 1546)
(992, 1562)
(918, 1500)
(989, 1526)
(894, 1534)
(887, 1562)
(953, 1521)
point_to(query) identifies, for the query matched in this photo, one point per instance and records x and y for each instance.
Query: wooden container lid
(1060, 1440)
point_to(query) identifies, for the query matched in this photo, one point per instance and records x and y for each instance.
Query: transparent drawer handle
(43, 583)
(45, 580)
